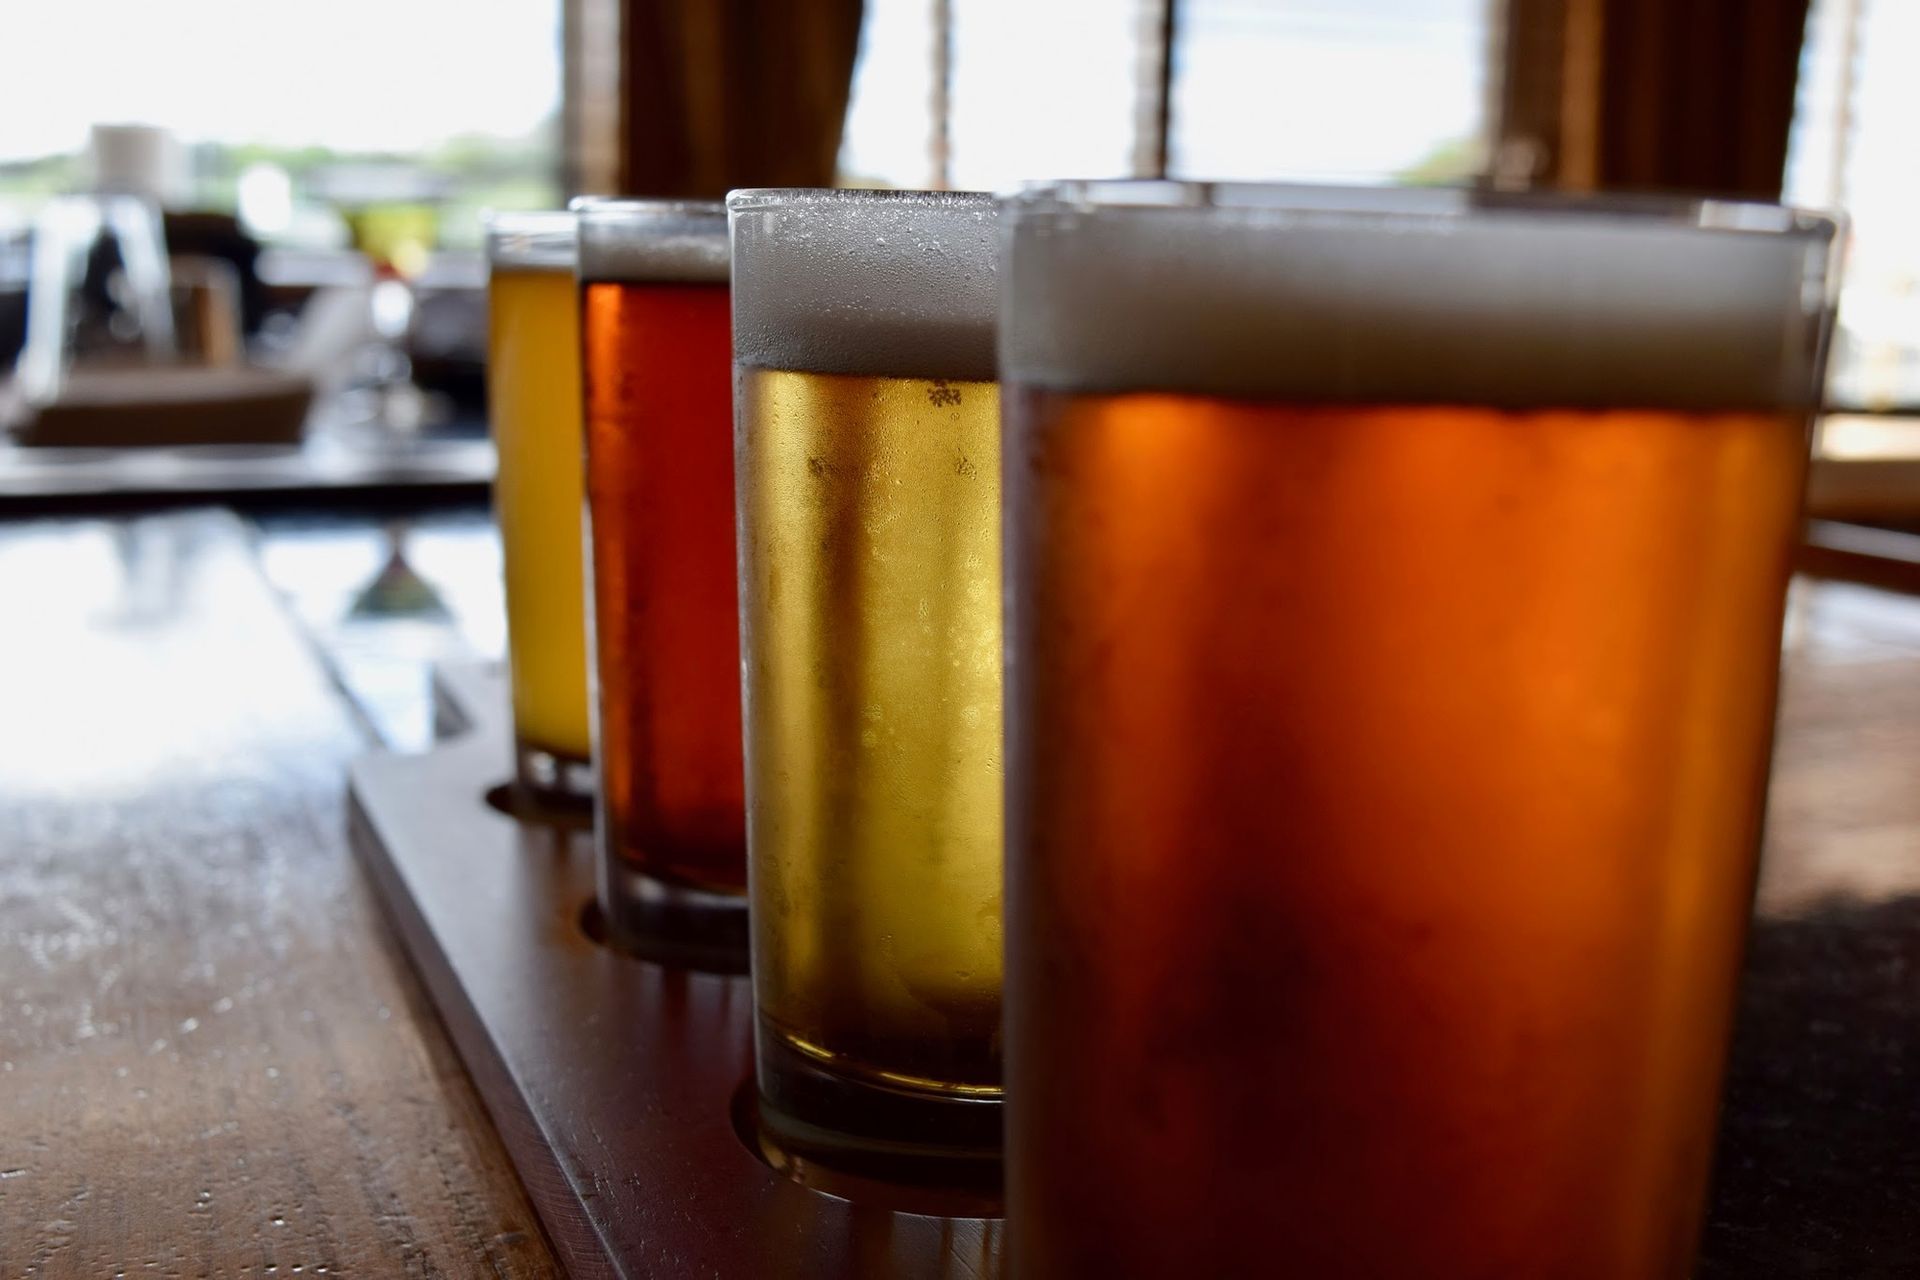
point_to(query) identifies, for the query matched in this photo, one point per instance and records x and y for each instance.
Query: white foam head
(539, 240)
(652, 241)
(1413, 296)
(893, 283)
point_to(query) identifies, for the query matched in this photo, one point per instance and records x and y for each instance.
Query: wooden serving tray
(611, 1079)
(614, 1082)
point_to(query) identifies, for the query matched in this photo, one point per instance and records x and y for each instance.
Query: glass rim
(748, 199)
(541, 238)
(621, 208)
(1125, 197)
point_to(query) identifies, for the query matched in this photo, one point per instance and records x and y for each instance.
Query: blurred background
(240, 241)
(322, 169)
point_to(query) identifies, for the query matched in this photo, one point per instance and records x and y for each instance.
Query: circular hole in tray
(594, 925)
(570, 813)
(903, 1181)
(691, 956)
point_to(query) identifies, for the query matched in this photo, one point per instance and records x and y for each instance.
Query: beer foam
(1413, 296)
(652, 241)
(541, 240)
(893, 283)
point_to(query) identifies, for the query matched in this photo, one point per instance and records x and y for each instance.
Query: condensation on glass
(533, 396)
(665, 625)
(868, 456)
(1393, 612)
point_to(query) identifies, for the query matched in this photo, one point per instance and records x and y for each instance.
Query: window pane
(1852, 146)
(468, 92)
(890, 116)
(1038, 89)
(1042, 89)
(1331, 90)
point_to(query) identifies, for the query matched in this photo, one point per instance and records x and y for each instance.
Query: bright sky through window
(1852, 147)
(1356, 90)
(1326, 90)
(351, 75)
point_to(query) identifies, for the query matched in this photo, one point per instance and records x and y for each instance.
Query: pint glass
(666, 629)
(533, 396)
(867, 446)
(1393, 603)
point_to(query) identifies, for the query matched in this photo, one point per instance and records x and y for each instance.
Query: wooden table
(212, 1059)
(214, 1062)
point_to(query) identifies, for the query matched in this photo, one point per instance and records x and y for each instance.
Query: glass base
(550, 787)
(672, 924)
(852, 1137)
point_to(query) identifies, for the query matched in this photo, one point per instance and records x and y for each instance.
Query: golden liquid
(870, 589)
(1385, 792)
(533, 386)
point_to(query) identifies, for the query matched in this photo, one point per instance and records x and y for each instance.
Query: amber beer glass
(867, 445)
(666, 631)
(1393, 602)
(533, 395)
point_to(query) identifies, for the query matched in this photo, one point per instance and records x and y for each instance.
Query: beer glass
(867, 449)
(533, 395)
(1394, 597)
(666, 628)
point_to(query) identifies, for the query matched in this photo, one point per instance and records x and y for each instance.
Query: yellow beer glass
(533, 393)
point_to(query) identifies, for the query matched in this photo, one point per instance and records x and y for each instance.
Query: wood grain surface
(212, 1060)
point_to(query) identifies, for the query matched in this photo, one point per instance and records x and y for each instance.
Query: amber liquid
(666, 632)
(1385, 787)
(533, 377)
(870, 572)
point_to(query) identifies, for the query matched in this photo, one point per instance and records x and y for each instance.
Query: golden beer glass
(868, 463)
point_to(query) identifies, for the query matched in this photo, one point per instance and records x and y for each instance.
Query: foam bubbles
(1383, 296)
(898, 283)
(652, 241)
(541, 240)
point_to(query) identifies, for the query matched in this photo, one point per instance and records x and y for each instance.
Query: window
(1042, 89)
(1332, 90)
(1852, 148)
(458, 99)
(1033, 89)
(889, 134)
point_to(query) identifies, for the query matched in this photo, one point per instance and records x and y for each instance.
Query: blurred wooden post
(1153, 88)
(1651, 95)
(590, 102)
(717, 94)
(940, 105)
